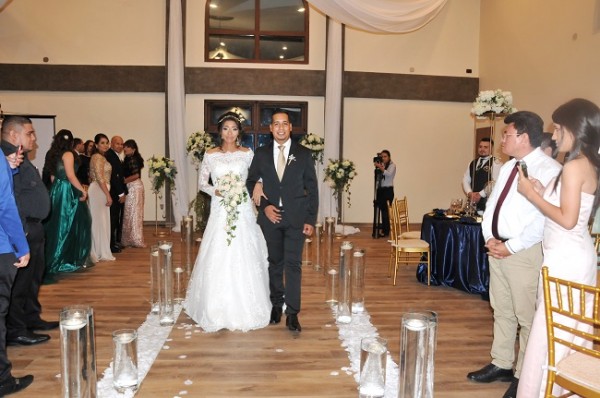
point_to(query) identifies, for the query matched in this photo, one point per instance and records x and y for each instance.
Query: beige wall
(430, 141)
(546, 58)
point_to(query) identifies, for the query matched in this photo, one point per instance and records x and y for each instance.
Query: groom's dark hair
(280, 110)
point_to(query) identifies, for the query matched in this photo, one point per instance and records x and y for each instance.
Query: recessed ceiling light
(281, 57)
(222, 44)
(213, 5)
(301, 9)
(284, 48)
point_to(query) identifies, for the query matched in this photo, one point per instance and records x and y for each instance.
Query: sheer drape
(391, 16)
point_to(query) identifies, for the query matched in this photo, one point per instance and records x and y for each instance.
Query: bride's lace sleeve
(204, 177)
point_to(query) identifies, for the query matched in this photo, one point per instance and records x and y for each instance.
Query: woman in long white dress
(229, 287)
(99, 200)
(567, 202)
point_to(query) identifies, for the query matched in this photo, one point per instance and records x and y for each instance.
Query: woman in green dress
(68, 228)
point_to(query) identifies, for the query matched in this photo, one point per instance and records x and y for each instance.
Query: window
(269, 31)
(256, 118)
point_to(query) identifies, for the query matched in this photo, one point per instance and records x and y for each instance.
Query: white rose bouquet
(496, 101)
(339, 174)
(316, 144)
(197, 145)
(233, 191)
(161, 169)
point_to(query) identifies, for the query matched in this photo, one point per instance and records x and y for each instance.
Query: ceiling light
(213, 5)
(284, 48)
(301, 9)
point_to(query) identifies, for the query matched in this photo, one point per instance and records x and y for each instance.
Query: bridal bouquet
(161, 169)
(339, 174)
(496, 101)
(233, 191)
(197, 145)
(316, 145)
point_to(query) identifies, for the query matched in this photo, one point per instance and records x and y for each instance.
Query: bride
(229, 287)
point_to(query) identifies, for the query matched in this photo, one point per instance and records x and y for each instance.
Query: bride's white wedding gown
(229, 286)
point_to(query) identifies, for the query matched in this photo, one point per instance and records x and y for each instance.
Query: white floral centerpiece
(197, 145)
(316, 145)
(233, 191)
(493, 101)
(161, 169)
(339, 174)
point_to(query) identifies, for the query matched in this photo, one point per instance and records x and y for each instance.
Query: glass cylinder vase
(154, 278)
(329, 235)
(432, 323)
(78, 352)
(307, 252)
(187, 242)
(358, 281)
(413, 355)
(317, 246)
(344, 309)
(125, 361)
(373, 359)
(165, 291)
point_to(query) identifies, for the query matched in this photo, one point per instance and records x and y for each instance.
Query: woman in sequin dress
(100, 201)
(133, 215)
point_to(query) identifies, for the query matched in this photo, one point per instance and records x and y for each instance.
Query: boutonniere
(291, 159)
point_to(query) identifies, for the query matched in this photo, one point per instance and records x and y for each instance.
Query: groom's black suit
(298, 193)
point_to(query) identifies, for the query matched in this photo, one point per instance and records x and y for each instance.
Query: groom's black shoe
(276, 315)
(291, 321)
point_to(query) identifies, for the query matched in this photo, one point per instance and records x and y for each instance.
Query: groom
(287, 212)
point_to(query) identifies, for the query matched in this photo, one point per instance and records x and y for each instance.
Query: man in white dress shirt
(513, 231)
(482, 170)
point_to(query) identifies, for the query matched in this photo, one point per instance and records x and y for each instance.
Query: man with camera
(385, 171)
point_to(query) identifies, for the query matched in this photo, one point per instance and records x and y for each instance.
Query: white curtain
(391, 16)
(176, 110)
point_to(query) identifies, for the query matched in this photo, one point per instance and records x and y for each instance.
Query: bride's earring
(237, 141)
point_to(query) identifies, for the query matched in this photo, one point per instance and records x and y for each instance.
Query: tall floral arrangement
(316, 145)
(197, 145)
(496, 101)
(161, 169)
(339, 174)
(233, 193)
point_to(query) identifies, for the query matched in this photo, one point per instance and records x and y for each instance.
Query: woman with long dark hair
(100, 200)
(68, 228)
(568, 203)
(133, 215)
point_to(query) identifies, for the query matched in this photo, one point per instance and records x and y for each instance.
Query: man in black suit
(83, 162)
(118, 191)
(287, 212)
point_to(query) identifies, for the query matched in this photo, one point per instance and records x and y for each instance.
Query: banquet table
(458, 257)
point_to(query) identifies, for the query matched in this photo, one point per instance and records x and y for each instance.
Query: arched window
(258, 31)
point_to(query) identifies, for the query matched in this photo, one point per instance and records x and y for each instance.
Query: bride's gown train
(570, 255)
(229, 286)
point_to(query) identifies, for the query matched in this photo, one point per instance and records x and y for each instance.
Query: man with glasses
(513, 230)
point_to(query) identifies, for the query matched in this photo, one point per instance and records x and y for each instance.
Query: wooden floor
(270, 362)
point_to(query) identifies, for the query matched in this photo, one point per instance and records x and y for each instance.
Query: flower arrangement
(197, 145)
(233, 191)
(161, 169)
(496, 101)
(316, 145)
(339, 174)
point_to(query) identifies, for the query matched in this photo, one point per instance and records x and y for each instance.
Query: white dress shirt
(519, 220)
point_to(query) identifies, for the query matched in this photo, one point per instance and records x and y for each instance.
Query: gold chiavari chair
(402, 212)
(579, 372)
(405, 250)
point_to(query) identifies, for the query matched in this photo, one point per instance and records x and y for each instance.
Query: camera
(378, 159)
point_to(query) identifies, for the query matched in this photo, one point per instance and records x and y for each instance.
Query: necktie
(280, 162)
(479, 163)
(503, 195)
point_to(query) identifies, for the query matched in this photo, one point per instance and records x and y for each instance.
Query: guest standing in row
(33, 202)
(386, 172)
(512, 228)
(481, 171)
(82, 161)
(568, 203)
(133, 215)
(68, 229)
(100, 201)
(118, 192)
(14, 255)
